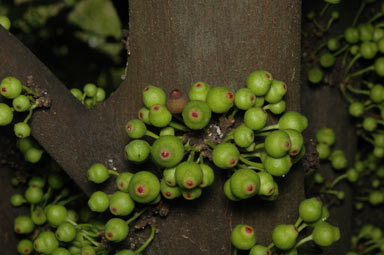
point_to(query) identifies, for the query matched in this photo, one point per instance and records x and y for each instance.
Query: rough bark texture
(174, 44)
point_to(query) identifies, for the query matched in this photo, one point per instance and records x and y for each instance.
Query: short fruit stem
(351, 63)
(362, 71)
(151, 134)
(30, 113)
(324, 9)
(178, 126)
(358, 91)
(91, 240)
(228, 137)
(322, 45)
(191, 156)
(320, 27)
(377, 16)
(329, 24)
(304, 240)
(71, 222)
(70, 199)
(210, 144)
(337, 53)
(362, 6)
(257, 166)
(298, 222)
(153, 230)
(368, 84)
(251, 155)
(302, 226)
(232, 116)
(30, 91)
(259, 146)
(267, 128)
(136, 215)
(338, 179)
(366, 138)
(113, 172)
(200, 160)
(344, 93)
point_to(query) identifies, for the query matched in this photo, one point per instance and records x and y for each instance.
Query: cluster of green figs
(358, 51)
(21, 99)
(179, 133)
(312, 213)
(353, 61)
(55, 220)
(90, 95)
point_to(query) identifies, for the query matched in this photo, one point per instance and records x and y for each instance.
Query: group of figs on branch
(215, 124)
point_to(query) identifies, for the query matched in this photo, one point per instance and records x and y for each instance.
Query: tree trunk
(174, 44)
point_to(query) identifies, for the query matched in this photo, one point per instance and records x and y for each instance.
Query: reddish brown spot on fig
(195, 115)
(121, 184)
(169, 182)
(199, 85)
(284, 86)
(141, 115)
(18, 230)
(18, 107)
(252, 98)
(294, 152)
(189, 183)
(126, 154)
(129, 127)
(164, 154)
(232, 162)
(249, 230)
(146, 89)
(156, 108)
(114, 210)
(323, 142)
(168, 194)
(271, 191)
(287, 144)
(295, 228)
(109, 235)
(250, 188)
(268, 75)
(202, 182)
(26, 250)
(140, 189)
(268, 252)
(230, 95)
(176, 93)
(3, 89)
(35, 246)
(188, 195)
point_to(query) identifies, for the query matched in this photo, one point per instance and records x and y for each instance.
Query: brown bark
(173, 44)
